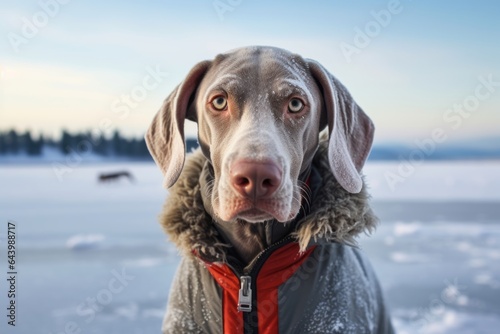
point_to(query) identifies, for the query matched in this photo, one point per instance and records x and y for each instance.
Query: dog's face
(259, 112)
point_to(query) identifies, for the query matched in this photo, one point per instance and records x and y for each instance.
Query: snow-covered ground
(92, 256)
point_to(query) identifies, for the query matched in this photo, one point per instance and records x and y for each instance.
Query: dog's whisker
(304, 186)
(305, 191)
(207, 188)
(297, 199)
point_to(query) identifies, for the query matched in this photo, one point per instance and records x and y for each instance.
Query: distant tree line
(14, 143)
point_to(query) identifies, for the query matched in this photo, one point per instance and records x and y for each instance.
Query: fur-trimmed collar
(335, 214)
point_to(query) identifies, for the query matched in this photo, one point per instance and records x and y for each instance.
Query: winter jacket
(314, 280)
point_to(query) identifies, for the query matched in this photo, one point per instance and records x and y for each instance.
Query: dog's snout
(254, 179)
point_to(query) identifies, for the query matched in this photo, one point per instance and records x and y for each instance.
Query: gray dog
(266, 211)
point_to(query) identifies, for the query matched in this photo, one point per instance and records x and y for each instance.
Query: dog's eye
(295, 105)
(219, 103)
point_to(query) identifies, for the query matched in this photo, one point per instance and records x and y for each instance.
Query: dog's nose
(255, 180)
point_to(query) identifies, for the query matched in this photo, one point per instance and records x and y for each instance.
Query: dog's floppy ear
(351, 130)
(165, 136)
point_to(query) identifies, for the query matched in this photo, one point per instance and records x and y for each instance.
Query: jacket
(314, 280)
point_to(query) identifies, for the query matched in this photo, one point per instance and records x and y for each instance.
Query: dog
(266, 211)
(108, 177)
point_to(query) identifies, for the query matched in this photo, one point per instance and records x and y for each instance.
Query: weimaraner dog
(260, 111)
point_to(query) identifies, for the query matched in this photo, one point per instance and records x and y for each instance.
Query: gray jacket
(313, 281)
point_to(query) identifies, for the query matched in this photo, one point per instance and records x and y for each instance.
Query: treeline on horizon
(16, 143)
(116, 145)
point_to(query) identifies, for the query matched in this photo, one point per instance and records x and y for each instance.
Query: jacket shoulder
(334, 291)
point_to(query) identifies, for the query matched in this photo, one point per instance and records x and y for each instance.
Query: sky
(416, 67)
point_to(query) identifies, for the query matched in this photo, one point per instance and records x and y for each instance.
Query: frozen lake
(92, 256)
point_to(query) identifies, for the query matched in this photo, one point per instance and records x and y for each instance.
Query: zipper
(247, 295)
(260, 259)
(247, 280)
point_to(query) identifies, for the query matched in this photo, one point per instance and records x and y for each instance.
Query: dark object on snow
(107, 177)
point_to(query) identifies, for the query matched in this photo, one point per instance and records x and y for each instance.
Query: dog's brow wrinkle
(230, 81)
(296, 84)
(293, 68)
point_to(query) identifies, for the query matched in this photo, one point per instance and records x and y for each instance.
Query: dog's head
(259, 112)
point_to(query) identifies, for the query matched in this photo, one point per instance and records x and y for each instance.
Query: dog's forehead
(258, 64)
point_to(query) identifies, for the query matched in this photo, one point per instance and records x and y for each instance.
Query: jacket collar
(335, 215)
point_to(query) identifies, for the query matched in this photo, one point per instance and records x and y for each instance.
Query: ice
(85, 241)
(448, 321)
(401, 229)
(444, 180)
(436, 251)
(145, 262)
(401, 257)
(129, 311)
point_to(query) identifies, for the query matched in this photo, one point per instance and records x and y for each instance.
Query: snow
(53, 155)
(439, 270)
(401, 229)
(145, 262)
(84, 241)
(450, 321)
(443, 180)
(401, 257)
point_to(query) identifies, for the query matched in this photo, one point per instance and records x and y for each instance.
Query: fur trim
(335, 216)
(184, 218)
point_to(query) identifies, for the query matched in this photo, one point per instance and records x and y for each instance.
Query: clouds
(428, 56)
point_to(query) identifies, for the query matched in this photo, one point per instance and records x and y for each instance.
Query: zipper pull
(245, 295)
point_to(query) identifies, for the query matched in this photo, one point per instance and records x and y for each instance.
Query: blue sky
(418, 64)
